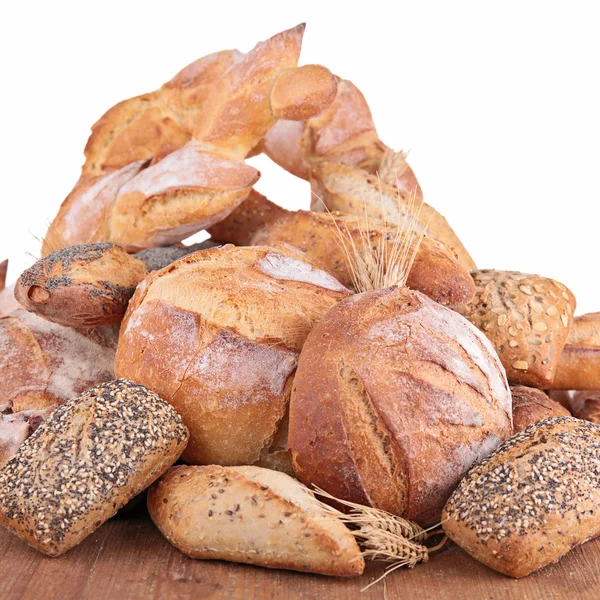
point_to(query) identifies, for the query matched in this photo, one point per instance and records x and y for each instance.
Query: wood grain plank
(128, 559)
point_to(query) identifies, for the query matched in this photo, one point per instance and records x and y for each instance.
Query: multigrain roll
(531, 405)
(531, 501)
(90, 457)
(218, 334)
(251, 515)
(394, 399)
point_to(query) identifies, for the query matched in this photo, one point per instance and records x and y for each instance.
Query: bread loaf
(578, 369)
(530, 405)
(251, 515)
(16, 427)
(394, 399)
(534, 499)
(586, 330)
(86, 461)
(218, 334)
(527, 318)
(3, 271)
(7, 296)
(328, 238)
(354, 191)
(585, 405)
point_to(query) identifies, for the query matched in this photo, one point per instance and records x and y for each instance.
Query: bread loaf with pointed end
(86, 461)
(218, 334)
(531, 501)
(531, 405)
(585, 404)
(395, 398)
(251, 515)
(585, 330)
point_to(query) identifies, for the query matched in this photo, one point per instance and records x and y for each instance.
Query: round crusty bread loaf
(394, 399)
(531, 405)
(251, 515)
(217, 334)
(86, 461)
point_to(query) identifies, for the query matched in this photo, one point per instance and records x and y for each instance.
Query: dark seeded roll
(532, 500)
(163, 256)
(85, 462)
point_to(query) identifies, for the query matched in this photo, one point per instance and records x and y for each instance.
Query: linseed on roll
(85, 462)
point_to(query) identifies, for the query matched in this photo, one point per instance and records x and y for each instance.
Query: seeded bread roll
(586, 330)
(329, 237)
(527, 318)
(585, 405)
(578, 369)
(218, 334)
(531, 405)
(534, 499)
(394, 399)
(85, 462)
(251, 515)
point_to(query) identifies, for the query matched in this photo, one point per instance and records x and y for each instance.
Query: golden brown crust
(217, 334)
(585, 405)
(586, 330)
(354, 191)
(3, 271)
(251, 515)
(531, 405)
(395, 397)
(527, 318)
(81, 286)
(578, 369)
(257, 221)
(87, 460)
(534, 499)
(43, 363)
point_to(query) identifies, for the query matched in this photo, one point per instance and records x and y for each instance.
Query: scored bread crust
(578, 369)
(257, 221)
(530, 502)
(527, 318)
(217, 334)
(394, 399)
(531, 405)
(86, 461)
(81, 286)
(251, 515)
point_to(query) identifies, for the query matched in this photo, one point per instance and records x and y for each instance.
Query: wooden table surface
(128, 559)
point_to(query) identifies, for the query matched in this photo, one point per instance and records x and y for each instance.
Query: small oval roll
(531, 405)
(251, 515)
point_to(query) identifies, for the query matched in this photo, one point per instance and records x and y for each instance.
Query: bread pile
(337, 380)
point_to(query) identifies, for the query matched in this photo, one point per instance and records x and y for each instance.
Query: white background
(499, 104)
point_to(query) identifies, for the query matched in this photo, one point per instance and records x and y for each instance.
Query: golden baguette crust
(257, 221)
(586, 330)
(527, 318)
(218, 334)
(394, 399)
(531, 405)
(531, 501)
(251, 515)
(43, 363)
(578, 369)
(585, 405)
(81, 286)
(354, 191)
(86, 461)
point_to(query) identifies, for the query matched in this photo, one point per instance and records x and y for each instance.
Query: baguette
(328, 237)
(531, 501)
(586, 330)
(527, 318)
(585, 405)
(531, 405)
(3, 271)
(86, 461)
(578, 369)
(251, 515)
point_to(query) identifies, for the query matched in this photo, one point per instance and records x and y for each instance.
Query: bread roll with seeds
(530, 405)
(43, 364)
(527, 318)
(578, 369)
(586, 330)
(218, 334)
(85, 462)
(251, 515)
(531, 501)
(329, 237)
(394, 399)
(585, 405)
